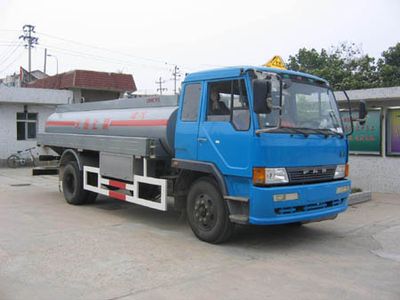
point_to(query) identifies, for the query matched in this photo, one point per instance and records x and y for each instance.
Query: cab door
(225, 128)
(188, 122)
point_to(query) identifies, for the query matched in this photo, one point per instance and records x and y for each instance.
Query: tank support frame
(127, 191)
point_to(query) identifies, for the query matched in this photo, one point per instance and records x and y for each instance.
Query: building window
(393, 132)
(26, 126)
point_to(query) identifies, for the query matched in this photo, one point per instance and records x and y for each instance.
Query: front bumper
(315, 201)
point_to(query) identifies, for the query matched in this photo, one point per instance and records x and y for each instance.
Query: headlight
(341, 171)
(262, 176)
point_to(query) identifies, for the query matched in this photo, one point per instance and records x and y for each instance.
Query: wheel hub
(204, 212)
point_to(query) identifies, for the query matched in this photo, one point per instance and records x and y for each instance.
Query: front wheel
(12, 161)
(207, 212)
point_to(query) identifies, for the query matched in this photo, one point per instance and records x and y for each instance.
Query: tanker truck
(239, 145)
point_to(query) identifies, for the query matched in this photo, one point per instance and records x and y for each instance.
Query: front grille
(311, 174)
(309, 207)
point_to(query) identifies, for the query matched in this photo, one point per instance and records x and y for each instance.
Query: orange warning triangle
(276, 62)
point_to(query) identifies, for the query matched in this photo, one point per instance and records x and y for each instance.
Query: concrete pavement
(115, 250)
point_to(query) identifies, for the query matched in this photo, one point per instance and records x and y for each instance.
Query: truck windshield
(305, 105)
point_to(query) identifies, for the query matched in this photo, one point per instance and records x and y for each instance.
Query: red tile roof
(90, 80)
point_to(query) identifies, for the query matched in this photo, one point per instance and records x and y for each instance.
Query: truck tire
(207, 212)
(73, 186)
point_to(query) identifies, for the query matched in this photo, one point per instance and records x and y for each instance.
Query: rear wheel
(207, 212)
(72, 184)
(12, 161)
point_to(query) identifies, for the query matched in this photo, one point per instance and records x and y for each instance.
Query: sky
(148, 38)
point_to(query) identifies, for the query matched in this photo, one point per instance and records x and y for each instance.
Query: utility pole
(45, 60)
(175, 76)
(30, 42)
(55, 57)
(160, 82)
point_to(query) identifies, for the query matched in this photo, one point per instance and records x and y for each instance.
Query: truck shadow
(280, 237)
(266, 237)
(165, 220)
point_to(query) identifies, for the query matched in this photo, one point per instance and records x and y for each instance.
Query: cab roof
(236, 71)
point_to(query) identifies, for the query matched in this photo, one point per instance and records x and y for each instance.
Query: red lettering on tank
(106, 123)
(153, 100)
(138, 115)
(86, 123)
(94, 124)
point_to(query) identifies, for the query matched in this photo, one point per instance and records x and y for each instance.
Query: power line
(158, 61)
(106, 49)
(97, 57)
(11, 30)
(8, 42)
(12, 62)
(8, 54)
(7, 45)
(154, 60)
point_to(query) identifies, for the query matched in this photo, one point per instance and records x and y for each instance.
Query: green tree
(363, 72)
(389, 67)
(344, 66)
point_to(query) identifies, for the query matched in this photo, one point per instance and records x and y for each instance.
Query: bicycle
(20, 158)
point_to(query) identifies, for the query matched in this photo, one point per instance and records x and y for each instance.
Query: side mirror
(362, 112)
(261, 92)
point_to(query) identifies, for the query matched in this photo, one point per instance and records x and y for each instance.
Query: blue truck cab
(257, 145)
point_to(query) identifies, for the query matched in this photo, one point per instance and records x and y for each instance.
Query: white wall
(12, 100)
(34, 96)
(377, 174)
(8, 127)
(368, 172)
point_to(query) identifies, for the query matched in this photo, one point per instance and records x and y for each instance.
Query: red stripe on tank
(61, 123)
(139, 123)
(116, 195)
(117, 184)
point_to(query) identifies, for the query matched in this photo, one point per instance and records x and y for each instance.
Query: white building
(23, 113)
(375, 155)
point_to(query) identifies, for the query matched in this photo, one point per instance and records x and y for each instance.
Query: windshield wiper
(320, 131)
(325, 131)
(296, 130)
(284, 129)
(303, 130)
(332, 132)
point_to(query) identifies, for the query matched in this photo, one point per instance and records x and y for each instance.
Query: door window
(228, 102)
